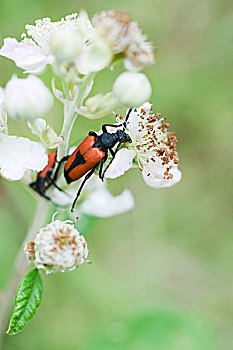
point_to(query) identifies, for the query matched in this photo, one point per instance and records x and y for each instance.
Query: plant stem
(21, 264)
(70, 112)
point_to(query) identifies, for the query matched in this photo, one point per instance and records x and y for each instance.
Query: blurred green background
(161, 276)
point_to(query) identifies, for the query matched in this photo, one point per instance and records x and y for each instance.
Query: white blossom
(96, 200)
(124, 36)
(132, 89)
(103, 204)
(57, 247)
(18, 154)
(123, 161)
(26, 55)
(26, 99)
(34, 52)
(154, 146)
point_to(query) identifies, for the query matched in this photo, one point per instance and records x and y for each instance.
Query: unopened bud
(26, 99)
(132, 89)
(66, 44)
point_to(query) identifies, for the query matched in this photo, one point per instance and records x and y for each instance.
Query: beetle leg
(112, 152)
(58, 167)
(42, 194)
(56, 186)
(104, 129)
(113, 156)
(127, 117)
(101, 176)
(102, 163)
(53, 183)
(32, 185)
(92, 133)
(91, 172)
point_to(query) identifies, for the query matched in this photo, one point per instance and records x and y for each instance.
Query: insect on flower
(91, 152)
(44, 177)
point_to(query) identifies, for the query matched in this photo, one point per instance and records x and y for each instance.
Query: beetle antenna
(117, 149)
(126, 118)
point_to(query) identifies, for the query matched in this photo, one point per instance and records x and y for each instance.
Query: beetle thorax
(108, 140)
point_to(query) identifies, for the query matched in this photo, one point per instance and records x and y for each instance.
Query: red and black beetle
(91, 152)
(44, 177)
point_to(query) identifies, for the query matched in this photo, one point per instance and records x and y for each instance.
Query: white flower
(26, 99)
(124, 36)
(97, 200)
(18, 154)
(26, 55)
(155, 148)
(3, 116)
(132, 89)
(45, 132)
(103, 204)
(34, 53)
(122, 162)
(58, 247)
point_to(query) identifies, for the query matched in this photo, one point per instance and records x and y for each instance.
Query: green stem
(21, 264)
(70, 113)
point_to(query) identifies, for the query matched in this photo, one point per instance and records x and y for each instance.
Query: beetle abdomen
(83, 159)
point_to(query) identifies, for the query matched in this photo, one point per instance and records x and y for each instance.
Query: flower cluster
(76, 48)
(74, 39)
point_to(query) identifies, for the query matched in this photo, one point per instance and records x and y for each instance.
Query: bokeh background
(162, 275)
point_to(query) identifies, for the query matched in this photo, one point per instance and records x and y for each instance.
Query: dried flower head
(57, 247)
(30, 250)
(125, 36)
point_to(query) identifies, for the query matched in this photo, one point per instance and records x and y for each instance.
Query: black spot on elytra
(79, 159)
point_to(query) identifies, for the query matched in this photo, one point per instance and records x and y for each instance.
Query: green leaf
(27, 300)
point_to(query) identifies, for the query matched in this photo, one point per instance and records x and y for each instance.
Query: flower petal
(19, 154)
(103, 204)
(153, 175)
(26, 56)
(121, 163)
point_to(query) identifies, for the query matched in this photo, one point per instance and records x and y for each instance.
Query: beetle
(44, 178)
(91, 152)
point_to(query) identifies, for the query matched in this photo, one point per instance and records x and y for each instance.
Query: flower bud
(100, 102)
(66, 44)
(95, 57)
(45, 132)
(26, 99)
(132, 89)
(57, 247)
